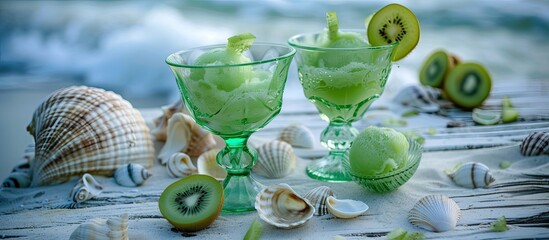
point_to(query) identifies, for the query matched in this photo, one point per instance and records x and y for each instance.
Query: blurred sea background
(121, 45)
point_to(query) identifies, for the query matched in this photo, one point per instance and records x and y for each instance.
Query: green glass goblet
(233, 101)
(342, 83)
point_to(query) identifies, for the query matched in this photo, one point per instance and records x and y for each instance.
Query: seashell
(436, 213)
(536, 143)
(160, 129)
(131, 175)
(86, 188)
(472, 175)
(280, 206)
(180, 165)
(421, 97)
(184, 135)
(275, 159)
(317, 197)
(345, 208)
(207, 164)
(298, 136)
(98, 228)
(17, 179)
(86, 130)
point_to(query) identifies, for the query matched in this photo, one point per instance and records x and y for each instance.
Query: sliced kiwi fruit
(192, 203)
(435, 69)
(468, 85)
(394, 23)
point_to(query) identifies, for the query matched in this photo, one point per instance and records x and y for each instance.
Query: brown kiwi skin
(453, 61)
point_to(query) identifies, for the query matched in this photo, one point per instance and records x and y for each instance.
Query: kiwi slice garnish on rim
(435, 69)
(192, 203)
(394, 23)
(468, 85)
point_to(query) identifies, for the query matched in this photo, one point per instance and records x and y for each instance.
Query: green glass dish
(393, 180)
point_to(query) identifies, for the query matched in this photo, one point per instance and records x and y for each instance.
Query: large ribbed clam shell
(131, 175)
(98, 228)
(536, 143)
(86, 130)
(279, 205)
(318, 197)
(422, 98)
(297, 135)
(160, 128)
(184, 135)
(472, 175)
(436, 213)
(275, 159)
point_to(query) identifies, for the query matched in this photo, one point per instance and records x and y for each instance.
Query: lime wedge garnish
(396, 234)
(506, 102)
(509, 113)
(333, 25)
(485, 117)
(240, 43)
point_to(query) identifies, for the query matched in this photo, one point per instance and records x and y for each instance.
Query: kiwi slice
(468, 85)
(436, 68)
(192, 203)
(394, 23)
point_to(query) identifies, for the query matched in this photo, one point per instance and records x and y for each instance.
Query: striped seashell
(180, 165)
(423, 98)
(275, 159)
(279, 205)
(472, 175)
(346, 208)
(436, 213)
(207, 164)
(86, 188)
(131, 175)
(536, 143)
(298, 136)
(97, 228)
(317, 197)
(184, 135)
(86, 130)
(17, 179)
(160, 128)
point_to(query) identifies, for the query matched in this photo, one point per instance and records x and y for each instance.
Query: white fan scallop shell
(297, 135)
(85, 189)
(160, 128)
(131, 175)
(180, 165)
(436, 213)
(184, 135)
(276, 159)
(472, 175)
(279, 205)
(422, 98)
(98, 228)
(345, 208)
(536, 143)
(86, 130)
(318, 198)
(206, 164)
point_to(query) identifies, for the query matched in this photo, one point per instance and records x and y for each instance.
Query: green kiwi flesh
(435, 69)
(394, 23)
(468, 85)
(192, 203)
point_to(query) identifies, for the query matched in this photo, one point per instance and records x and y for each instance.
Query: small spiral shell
(131, 175)
(17, 179)
(86, 188)
(472, 175)
(536, 143)
(180, 165)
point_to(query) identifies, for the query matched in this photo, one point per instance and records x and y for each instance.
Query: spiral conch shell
(98, 228)
(318, 197)
(280, 206)
(86, 188)
(184, 135)
(160, 129)
(536, 143)
(472, 175)
(275, 159)
(298, 136)
(422, 98)
(86, 130)
(180, 165)
(131, 175)
(17, 179)
(436, 213)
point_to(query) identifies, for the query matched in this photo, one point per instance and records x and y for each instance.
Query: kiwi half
(468, 85)
(192, 203)
(435, 69)
(394, 23)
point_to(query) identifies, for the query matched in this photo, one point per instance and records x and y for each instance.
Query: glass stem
(338, 137)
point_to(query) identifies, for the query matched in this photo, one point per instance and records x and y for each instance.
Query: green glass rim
(413, 162)
(274, 59)
(293, 42)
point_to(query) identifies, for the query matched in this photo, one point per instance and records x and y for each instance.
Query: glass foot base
(330, 169)
(240, 193)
